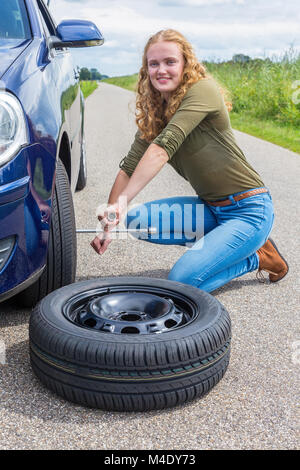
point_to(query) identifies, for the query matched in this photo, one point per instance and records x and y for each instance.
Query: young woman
(183, 120)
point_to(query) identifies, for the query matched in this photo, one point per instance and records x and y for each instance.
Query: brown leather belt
(228, 202)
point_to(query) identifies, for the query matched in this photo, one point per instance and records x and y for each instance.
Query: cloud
(198, 3)
(121, 56)
(216, 28)
(112, 44)
(117, 19)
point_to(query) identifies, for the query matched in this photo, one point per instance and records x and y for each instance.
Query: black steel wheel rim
(130, 310)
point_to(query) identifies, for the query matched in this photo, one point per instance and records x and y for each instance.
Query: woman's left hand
(109, 216)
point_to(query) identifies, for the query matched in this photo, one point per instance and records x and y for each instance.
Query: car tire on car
(129, 343)
(60, 268)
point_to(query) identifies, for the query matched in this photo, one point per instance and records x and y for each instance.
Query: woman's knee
(137, 221)
(180, 274)
(137, 217)
(192, 268)
(177, 276)
(184, 277)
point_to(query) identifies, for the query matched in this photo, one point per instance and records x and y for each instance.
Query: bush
(262, 87)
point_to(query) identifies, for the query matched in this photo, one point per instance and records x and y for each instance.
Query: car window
(14, 20)
(48, 22)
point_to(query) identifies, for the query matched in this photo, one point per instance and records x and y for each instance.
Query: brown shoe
(272, 261)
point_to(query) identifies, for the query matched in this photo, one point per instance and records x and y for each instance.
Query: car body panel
(9, 51)
(46, 83)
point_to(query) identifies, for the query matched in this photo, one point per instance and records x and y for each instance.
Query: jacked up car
(42, 153)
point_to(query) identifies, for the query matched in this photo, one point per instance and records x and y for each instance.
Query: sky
(217, 29)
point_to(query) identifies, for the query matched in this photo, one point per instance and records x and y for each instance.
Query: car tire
(60, 268)
(82, 176)
(129, 344)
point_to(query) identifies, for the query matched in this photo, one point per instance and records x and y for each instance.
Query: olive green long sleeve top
(201, 146)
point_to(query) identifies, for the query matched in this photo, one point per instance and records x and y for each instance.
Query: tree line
(91, 74)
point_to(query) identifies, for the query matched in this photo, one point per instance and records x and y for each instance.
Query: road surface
(254, 405)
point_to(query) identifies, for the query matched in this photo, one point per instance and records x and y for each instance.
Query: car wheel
(60, 267)
(82, 176)
(129, 344)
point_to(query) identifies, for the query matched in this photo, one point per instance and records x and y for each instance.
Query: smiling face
(165, 63)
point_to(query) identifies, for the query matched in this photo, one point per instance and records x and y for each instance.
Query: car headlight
(13, 130)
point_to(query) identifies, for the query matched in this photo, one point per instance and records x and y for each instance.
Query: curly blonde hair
(152, 112)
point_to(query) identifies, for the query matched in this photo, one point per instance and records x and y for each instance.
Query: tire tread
(60, 268)
(129, 374)
(132, 402)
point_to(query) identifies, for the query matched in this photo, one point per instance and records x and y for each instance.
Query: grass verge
(87, 87)
(286, 136)
(127, 81)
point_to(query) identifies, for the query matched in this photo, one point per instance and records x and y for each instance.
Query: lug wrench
(148, 230)
(111, 217)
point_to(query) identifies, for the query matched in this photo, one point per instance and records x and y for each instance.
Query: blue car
(42, 153)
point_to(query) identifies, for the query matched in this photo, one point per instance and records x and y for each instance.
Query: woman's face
(165, 66)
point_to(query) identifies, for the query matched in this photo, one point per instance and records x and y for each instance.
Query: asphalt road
(254, 405)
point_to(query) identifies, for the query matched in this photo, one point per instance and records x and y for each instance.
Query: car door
(67, 82)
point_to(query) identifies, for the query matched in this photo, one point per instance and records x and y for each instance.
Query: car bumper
(23, 235)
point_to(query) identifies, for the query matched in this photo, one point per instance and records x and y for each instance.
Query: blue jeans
(222, 240)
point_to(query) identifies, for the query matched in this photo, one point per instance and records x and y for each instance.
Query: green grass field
(88, 87)
(265, 95)
(127, 81)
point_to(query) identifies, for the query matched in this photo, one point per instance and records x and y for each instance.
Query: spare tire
(129, 344)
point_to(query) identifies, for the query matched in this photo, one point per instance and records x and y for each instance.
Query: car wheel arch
(64, 152)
